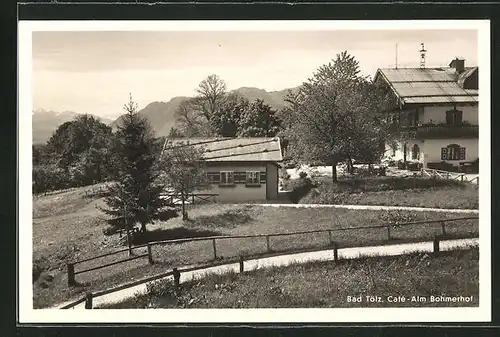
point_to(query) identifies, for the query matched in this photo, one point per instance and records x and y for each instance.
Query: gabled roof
(236, 149)
(428, 85)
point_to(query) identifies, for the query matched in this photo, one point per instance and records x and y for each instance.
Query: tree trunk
(405, 149)
(350, 166)
(128, 242)
(183, 200)
(334, 172)
(143, 227)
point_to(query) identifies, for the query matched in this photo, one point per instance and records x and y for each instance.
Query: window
(454, 117)
(227, 178)
(453, 152)
(253, 178)
(415, 152)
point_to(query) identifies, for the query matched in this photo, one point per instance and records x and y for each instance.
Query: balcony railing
(442, 131)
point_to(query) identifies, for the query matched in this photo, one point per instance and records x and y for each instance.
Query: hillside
(46, 122)
(162, 114)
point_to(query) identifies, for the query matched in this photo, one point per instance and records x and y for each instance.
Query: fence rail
(267, 237)
(434, 173)
(176, 198)
(175, 273)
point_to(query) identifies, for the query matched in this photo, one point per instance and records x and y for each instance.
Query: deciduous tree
(182, 169)
(194, 115)
(258, 120)
(333, 118)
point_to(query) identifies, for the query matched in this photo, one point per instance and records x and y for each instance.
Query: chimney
(459, 64)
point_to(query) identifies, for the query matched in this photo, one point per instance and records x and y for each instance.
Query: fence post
(88, 301)
(330, 236)
(436, 245)
(335, 252)
(177, 277)
(150, 254)
(71, 274)
(388, 232)
(268, 245)
(215, 249)
(442, 228)
(241, 264)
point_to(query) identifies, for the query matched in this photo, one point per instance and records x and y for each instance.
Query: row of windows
(229, 178)
(451, 152)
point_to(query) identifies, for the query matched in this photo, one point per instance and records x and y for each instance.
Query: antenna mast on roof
(396, 56)
(422, 55)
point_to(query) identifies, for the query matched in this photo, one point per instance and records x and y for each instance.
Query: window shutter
(449, 117)
(263, 177)
(443, 153)
(458, 119)
(462, 153)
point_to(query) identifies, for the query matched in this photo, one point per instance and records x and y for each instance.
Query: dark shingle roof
(236, 149)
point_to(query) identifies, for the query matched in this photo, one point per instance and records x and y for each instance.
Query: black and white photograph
(271, 171)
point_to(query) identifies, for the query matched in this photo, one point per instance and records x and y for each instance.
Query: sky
(94, 71)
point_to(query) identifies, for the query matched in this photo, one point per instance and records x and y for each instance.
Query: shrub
(299, 188)
(302, 175)
(330, 192)
(443, 166)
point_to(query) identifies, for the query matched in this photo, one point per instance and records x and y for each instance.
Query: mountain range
(161, 115)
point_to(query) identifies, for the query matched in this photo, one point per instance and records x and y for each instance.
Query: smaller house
(240, 169)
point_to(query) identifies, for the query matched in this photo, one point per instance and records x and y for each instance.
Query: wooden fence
(176, 273)
(439, 174)
(267, 237)
(175, 198)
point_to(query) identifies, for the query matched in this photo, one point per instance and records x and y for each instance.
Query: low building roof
(236, 149)
(429, 85)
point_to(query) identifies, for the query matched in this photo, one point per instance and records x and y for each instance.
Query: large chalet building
(436, 113)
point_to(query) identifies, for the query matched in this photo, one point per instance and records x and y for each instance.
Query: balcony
(441, 131)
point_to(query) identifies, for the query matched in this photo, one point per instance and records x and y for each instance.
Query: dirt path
(373, 208)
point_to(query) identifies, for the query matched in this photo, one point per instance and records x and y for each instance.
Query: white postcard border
(369, 315)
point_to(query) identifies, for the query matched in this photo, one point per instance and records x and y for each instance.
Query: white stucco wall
(238, 192)
(432, 147)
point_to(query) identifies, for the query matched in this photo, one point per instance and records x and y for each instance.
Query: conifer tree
(135, 194)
